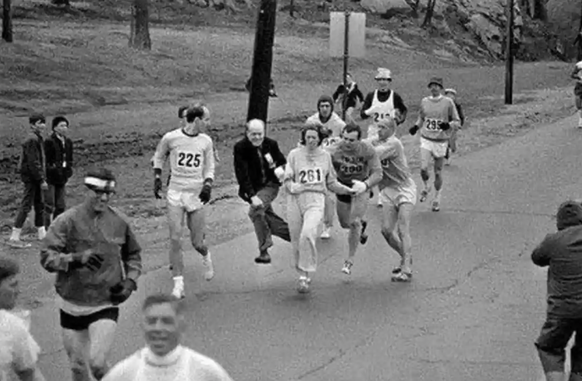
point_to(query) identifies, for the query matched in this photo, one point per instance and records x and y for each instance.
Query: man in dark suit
(58, 149)
(259, 165)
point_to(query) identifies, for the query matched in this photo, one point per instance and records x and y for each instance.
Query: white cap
(383, 73)
(451, 90)
(579, 65)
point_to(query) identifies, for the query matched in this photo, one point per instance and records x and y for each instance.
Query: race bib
(433, 124)
(188, 160)
(378, 116)
(351, 169)
(312, 175)
(327, 142)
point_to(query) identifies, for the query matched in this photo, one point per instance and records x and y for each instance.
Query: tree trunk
(578, 40)
(139, 28)
(6, 21)
(429, 13)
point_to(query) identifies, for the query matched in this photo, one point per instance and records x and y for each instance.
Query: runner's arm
(162, 152)
(375, 170)
(289, 181)
(209, 164)
(401, 107)
(454, 118)
(25, 356)
(131, 256)
(366, 106)
(542, 254)
(52, 255)
(358, 93)
(332, 182)
(337, 93)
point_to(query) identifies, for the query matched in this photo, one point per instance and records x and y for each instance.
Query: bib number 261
(188, 160)
(310, 176)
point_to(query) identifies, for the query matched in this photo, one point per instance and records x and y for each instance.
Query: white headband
(99, 183)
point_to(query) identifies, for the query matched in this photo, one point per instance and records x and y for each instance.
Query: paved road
(472, 312)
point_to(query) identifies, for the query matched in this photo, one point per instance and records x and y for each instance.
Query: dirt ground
(120, 102)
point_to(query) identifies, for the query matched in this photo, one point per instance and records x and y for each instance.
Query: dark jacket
(59, 160)
(460, 112)
(354, 94)
(255, 166)
(32, 161)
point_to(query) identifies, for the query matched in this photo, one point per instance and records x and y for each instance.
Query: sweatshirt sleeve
(375, 169)
(52, 255)
(400, 106)
(366, 106)
(420, 119)
(542, 254)
(131, 255)
(331, 181)
(162, 151)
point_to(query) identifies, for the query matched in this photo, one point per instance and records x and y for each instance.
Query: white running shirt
(191, 159)
(182, 364)
(380, 111)
(18, 350)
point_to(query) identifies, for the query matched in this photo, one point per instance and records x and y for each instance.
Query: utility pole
(509, 55)
(262, 61)
(6, 21)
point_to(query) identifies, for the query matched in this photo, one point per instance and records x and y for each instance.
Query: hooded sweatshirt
(562, 252)
(334, 125)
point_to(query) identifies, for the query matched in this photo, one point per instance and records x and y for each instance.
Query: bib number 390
(188, 160)
(310, 176)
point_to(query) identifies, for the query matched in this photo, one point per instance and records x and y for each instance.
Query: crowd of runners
(333, 171)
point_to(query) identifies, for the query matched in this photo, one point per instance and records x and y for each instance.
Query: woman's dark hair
(312, 127)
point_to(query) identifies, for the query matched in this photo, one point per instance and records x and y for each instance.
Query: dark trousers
(552, 342)
(33, 196)
(54, 203)
(266, 221)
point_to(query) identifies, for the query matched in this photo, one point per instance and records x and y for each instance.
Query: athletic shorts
(358, 204)
(399, 194)
(437, 149)
(81, 323)
(189, 201)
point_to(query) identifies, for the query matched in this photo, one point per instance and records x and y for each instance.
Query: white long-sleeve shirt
(18, 350)
(182, 364)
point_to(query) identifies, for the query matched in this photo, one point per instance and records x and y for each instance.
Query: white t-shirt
(182, 364)
(18, 350)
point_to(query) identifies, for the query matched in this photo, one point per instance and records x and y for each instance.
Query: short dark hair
(312, 127)
(59, 119)
(181, 110)
(8, 268)
(351, 127)
(155, 299)
(34, 118)
(195, 112)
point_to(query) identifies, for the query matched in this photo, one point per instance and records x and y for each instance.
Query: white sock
(15, 234)
(437, 195)
(179, 279)
(41, 232)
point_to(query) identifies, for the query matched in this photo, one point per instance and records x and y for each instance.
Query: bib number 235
(188, 160)
(310, 176)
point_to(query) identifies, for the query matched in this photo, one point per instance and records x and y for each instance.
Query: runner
(577, 75)
(380, 104)
(398, 193)
(353, 94)
(332, 126)
(437, 115)
(259, 168)
(452, 148)
(18, 350)
(97, 262)
(357, 165)
(309, 176)
(165, 358)
(192, 167)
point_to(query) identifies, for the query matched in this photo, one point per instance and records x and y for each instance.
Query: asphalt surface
(473, 310)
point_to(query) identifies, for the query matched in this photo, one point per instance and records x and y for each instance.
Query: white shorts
(400, 194)
(189, 201)
(437, 149)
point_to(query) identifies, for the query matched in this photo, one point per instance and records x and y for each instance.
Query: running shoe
(436, 206)
(303, 287)
(402, 276)
(178, 291)
(326, 234)
(424, 194)
(264, 258)
(347, 269)
(18, 244)
(363, 235)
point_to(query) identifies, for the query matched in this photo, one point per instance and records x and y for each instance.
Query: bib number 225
(188, 160)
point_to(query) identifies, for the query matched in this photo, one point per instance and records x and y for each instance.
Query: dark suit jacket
(248, 161)
(56, 154)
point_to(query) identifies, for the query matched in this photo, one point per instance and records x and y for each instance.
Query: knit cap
(569, 214)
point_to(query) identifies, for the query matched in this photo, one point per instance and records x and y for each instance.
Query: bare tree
(6, 21)
(139, 28)
(429, 13)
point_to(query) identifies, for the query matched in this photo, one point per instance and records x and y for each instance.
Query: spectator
(353, 95)
(59, 168)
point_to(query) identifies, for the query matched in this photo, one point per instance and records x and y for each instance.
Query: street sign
(356, 34)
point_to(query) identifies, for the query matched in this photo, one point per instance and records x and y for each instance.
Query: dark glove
(157, 187)
(205, 193)
(445, 126)
(413, 130)
(86, 259)
(122, 291)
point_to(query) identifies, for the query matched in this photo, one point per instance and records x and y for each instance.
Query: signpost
(347, 38)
